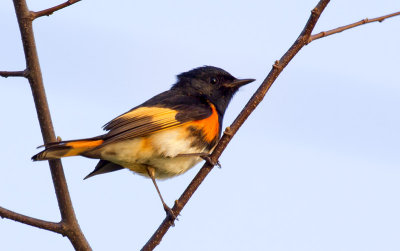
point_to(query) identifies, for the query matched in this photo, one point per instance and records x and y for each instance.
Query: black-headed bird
(166, 135)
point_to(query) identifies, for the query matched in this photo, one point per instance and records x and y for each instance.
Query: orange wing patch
(144, 121)
(208, 126)
(140, 122)
(142, 116)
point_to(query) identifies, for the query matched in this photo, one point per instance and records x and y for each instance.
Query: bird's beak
(238, 82)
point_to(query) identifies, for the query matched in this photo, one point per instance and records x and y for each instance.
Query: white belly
(159, 150)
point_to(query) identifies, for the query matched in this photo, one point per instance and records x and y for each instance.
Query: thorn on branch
(228, 131)
(315, 11)
(276, 65)
(177, 204)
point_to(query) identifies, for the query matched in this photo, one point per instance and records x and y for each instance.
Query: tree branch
(346, 27)
(69, 225)
(244, 114)
(7, 74)
(51, 226)
(49, 11)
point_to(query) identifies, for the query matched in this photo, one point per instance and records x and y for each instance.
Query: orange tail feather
(57, 150)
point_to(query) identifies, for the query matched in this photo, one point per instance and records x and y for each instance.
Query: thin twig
(49, 11)
(244, 114)
(346, 27)
(51, 226)
(7, 74)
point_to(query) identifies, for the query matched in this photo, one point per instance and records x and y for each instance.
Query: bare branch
(346, 27)
(7, 74)
(51, 226)
(69, 222)
(49, 11)
(244, 114)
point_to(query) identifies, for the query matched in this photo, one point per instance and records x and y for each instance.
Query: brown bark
(68, 226)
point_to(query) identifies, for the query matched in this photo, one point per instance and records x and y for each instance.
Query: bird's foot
(207, 158)
(172, 217)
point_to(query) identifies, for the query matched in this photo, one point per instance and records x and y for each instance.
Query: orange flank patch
(146, 146)
(209, 126)
(81, 146)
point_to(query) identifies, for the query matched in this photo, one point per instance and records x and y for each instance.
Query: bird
(163, 137)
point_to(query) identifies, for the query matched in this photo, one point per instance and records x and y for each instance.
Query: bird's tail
(57, 150)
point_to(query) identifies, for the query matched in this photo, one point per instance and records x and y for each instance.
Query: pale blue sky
(315, 167)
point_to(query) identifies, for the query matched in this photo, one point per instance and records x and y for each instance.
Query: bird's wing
(159, 113)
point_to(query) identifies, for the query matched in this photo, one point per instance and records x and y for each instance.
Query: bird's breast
(161, 150)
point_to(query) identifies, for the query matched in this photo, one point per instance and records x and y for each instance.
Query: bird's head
(212, 83)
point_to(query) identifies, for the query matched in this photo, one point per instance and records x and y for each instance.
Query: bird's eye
(213, 80)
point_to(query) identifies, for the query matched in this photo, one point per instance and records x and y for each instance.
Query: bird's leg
(151, 171)
(205, 156)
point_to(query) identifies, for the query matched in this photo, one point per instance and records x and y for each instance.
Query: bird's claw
(207, 158)
(172, 217)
